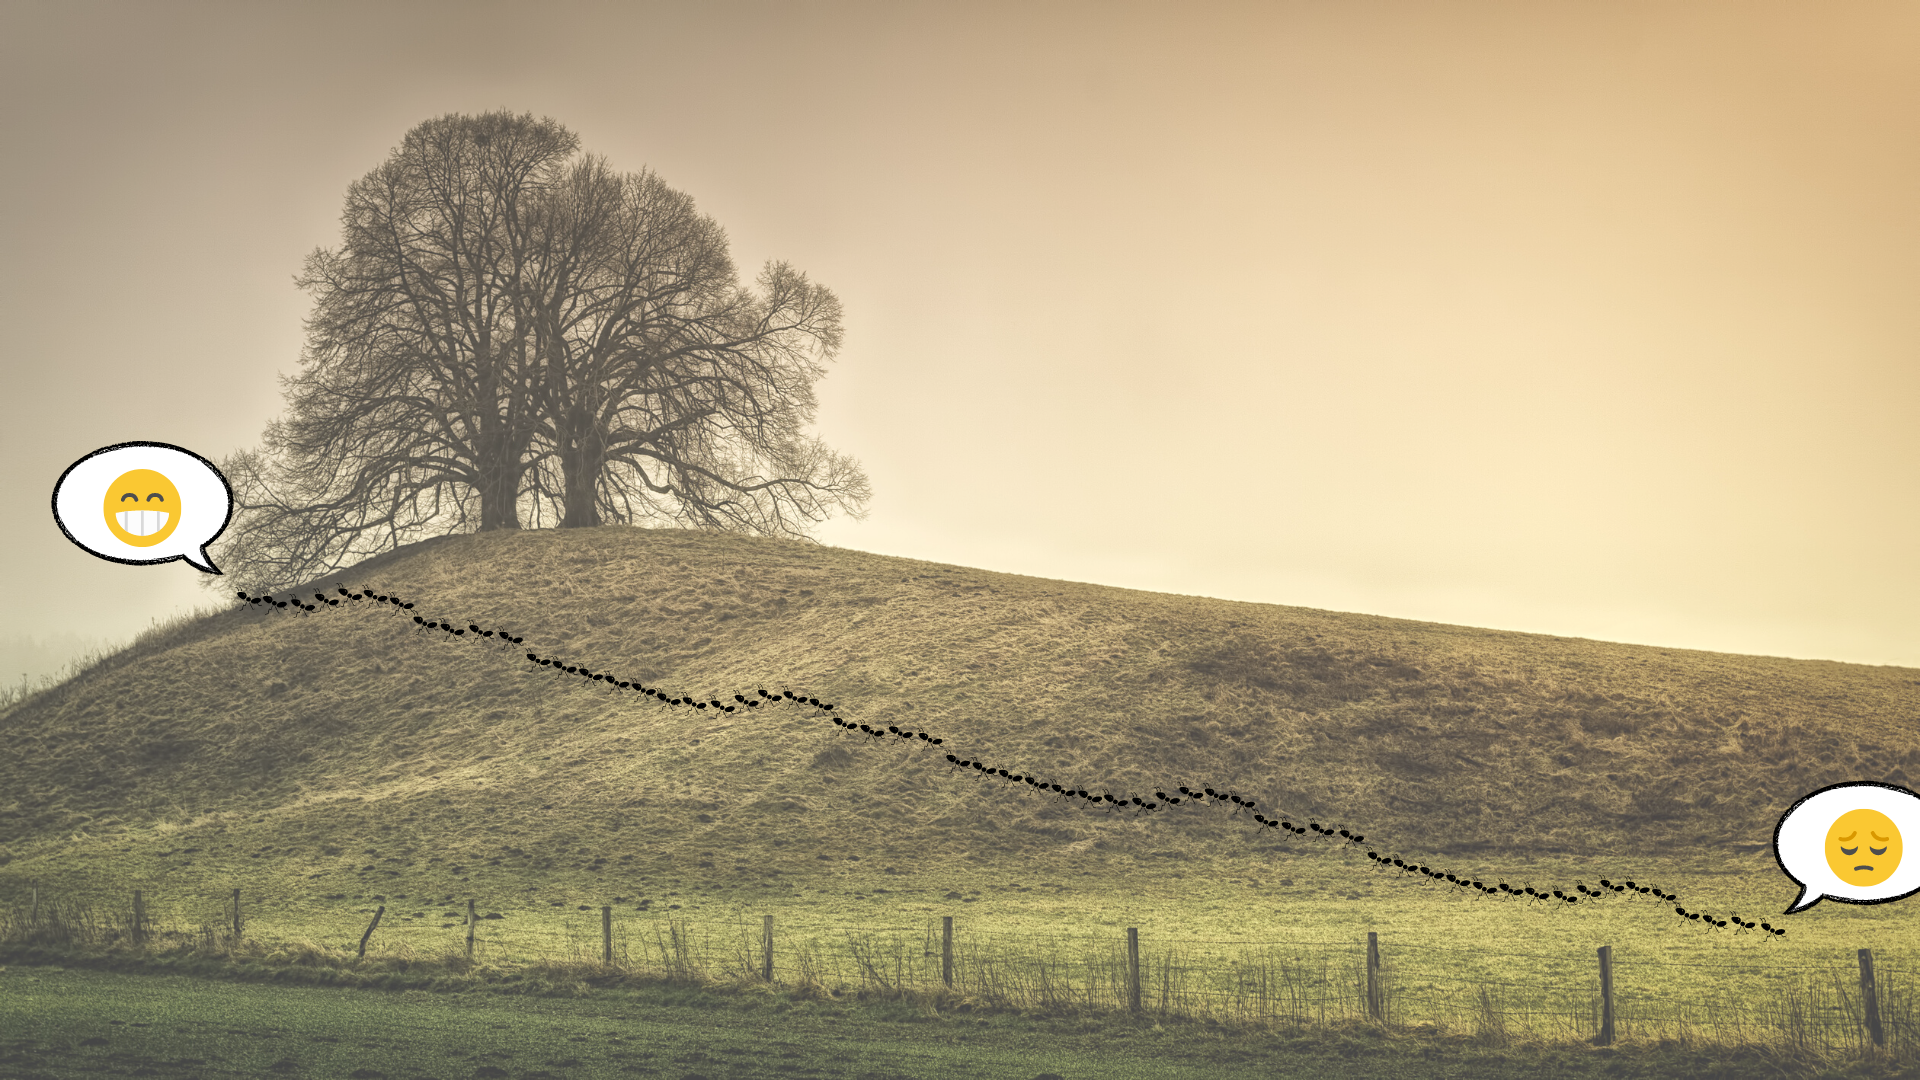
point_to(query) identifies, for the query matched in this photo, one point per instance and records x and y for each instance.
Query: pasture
(75, 1023)
(332, 764)
(1258, 971)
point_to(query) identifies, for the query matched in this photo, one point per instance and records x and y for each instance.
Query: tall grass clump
(160, 636)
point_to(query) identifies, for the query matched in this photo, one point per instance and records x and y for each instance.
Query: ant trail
(903, 737)
(1230, 801)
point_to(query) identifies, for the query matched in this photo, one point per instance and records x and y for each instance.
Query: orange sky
(1595, 320)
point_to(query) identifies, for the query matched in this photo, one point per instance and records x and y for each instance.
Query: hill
(350, 746)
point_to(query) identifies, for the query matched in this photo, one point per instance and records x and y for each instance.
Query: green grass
(320, 762)
(74, 1022)
(1061, 954)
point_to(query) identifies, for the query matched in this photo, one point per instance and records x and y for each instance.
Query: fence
(1850, 1009)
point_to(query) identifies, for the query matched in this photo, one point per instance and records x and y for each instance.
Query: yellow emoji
(1863, 847)
(142, 508)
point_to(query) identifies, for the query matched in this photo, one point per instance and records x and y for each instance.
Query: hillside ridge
(279, 730)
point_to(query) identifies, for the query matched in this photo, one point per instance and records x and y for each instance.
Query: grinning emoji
(142, 508)
(1863, 847)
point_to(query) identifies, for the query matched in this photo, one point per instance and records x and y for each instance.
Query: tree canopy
(511, 334)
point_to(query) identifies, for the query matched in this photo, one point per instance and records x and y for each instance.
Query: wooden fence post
(946, 949)
(381, 910)
(1373, 975)
(236, 914)
(1869, 1000)
(766, 949)
(1133, 969)
(1605, 1038)
(139, 917)
(606, 935)
(470, 921)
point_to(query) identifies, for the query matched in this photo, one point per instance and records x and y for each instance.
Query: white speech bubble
(204, 504)
(1800, 843)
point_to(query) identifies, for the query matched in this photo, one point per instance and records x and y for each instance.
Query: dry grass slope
(348, 747)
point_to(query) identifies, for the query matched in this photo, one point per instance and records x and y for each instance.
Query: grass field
(70, 1023)
(332, 763)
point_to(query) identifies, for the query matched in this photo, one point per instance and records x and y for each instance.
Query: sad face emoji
(142, 508)
(1863, 847)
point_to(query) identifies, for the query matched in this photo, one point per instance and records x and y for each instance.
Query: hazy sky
(1599, 320)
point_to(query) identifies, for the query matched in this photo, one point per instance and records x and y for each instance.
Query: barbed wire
(1414, 946)
(575, 924)
(688, 942)
(1404, 973)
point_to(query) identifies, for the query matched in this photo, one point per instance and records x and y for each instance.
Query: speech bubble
(1835, 834)
(173, 505)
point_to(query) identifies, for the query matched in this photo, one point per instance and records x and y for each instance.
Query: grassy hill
(347, 748)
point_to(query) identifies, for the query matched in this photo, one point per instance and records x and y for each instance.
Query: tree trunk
(500, 493)
(580, 475)
(498, 454)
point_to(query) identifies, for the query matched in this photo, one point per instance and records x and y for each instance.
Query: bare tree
(669, 392)
(510, 328)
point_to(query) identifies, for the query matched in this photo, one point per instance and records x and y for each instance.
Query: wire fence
(1847, 1008)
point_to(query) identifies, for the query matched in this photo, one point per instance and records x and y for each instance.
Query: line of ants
(1207, 796)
